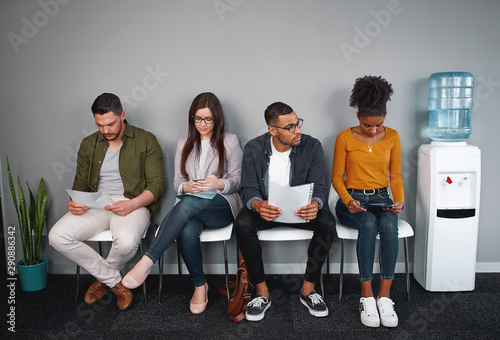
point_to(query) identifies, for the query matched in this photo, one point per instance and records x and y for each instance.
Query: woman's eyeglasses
(207, 120)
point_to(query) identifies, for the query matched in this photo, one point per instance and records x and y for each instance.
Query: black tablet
(377, 205)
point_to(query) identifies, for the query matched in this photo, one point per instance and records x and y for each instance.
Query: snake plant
(31, 218)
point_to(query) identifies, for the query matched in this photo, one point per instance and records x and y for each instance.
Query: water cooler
(448, 188)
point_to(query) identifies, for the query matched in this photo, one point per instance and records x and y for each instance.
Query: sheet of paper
(90, 199)
(288, 199)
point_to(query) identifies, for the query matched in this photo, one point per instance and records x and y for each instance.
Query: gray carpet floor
(52, 313)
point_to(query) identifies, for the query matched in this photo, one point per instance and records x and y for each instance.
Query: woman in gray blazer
(207, 180)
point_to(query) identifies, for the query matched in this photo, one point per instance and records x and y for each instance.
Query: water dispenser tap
(448, 180)
(464, 180)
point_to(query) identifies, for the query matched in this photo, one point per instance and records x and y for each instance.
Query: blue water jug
(450, 106)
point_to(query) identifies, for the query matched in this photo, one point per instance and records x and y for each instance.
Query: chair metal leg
(179, 266)
(226, 269)
(77, 282)
(237, 255)
(406, 270)
(144, 283)
(321, 277)
(160, 277)
(322, 286)
(78, 274)
(341, 269)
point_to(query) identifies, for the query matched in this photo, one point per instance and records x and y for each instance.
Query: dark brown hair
(107, 102)
(210, 101)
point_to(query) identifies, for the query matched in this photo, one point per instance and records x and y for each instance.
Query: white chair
(346, 233)
(105, 236)
(207, 235)
(283, 233)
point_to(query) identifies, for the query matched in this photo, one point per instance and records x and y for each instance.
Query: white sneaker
(388, 315)
(368, 312)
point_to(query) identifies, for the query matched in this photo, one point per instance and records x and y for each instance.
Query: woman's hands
(355, 207)
(210, 183)
(396, 208)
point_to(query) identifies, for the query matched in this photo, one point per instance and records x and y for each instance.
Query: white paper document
(288, 199)
(91, 199)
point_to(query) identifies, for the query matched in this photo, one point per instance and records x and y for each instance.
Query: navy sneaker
(256, 309)
(314, 302)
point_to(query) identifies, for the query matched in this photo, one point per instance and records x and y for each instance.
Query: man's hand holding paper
(308, 212)
(294, 202)
(266, 211)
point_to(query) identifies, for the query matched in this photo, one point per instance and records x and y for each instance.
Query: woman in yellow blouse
(367, 157)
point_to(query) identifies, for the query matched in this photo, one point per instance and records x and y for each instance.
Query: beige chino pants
(69, 233)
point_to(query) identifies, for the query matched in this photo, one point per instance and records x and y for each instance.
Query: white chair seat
(348, 233)
(283, 233)
(103, 236)
(217, 235)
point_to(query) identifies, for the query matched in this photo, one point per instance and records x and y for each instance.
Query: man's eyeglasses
(291, 127)
(208, 120)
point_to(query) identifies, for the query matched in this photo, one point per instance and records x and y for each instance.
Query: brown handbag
(241, 295)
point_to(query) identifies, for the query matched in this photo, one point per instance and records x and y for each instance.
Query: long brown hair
(210, 101)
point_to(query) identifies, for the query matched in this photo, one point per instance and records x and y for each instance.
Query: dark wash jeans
(369, 223)
(248, 222)
(185, 222)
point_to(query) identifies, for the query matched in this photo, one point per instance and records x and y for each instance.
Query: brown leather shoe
(123, 295)
(95, 292)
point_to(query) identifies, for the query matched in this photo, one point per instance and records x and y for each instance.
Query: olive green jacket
(140, 163)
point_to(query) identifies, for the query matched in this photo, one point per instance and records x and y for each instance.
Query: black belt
(368, 191)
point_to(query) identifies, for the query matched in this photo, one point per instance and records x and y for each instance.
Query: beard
(112, 136)
(292, 142)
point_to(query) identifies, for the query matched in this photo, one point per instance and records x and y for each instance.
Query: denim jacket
(307, 166)
(140, 163)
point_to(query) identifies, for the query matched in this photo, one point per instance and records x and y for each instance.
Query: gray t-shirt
(110, 181)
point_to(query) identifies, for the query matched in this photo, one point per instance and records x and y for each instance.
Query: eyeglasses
(291, 127)
(207, 120)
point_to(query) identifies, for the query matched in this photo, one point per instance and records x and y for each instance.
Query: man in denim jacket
(125, 163)
(286, 157)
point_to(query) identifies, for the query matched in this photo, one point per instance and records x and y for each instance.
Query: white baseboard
(487, 267)
(270, 268)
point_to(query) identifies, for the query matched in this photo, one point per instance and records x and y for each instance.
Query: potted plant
(32, 268)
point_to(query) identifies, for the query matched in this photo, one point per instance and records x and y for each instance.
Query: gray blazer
(232, 169)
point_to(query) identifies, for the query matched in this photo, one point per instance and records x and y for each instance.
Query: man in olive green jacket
(125, 163)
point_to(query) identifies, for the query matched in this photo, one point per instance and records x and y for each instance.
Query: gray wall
(57, 56)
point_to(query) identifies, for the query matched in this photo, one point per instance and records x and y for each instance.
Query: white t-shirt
(199, 168)
(279, 166)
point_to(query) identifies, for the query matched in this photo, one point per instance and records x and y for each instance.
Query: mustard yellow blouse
(367, 170)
